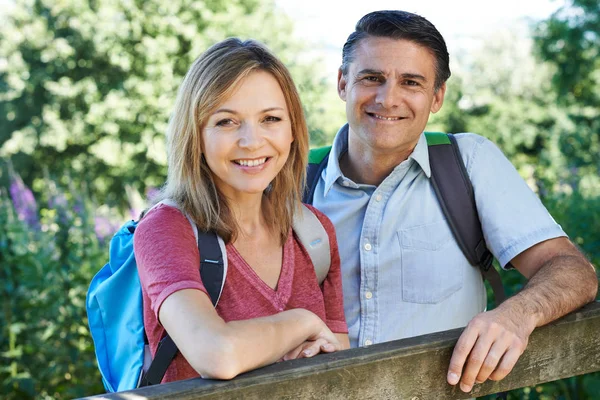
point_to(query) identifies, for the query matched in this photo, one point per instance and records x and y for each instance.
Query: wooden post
(411, 369)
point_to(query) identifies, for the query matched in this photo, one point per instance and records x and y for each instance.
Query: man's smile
(384, 118)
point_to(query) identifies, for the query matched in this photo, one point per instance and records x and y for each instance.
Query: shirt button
(368, 295)
(378, 197)
(368, 247)
(368, 342)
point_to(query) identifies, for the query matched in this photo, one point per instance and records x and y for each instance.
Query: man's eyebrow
(369, 71)
(407, 75)
(414, 76)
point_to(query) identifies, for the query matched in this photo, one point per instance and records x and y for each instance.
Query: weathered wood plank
(412, 369)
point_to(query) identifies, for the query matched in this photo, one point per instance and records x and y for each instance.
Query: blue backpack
(114, 301)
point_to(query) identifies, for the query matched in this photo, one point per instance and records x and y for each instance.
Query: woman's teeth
(251, 163)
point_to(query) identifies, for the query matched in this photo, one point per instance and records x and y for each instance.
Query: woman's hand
(323, 341)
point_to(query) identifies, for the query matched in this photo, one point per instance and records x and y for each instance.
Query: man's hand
(489, 347)
(561, 280)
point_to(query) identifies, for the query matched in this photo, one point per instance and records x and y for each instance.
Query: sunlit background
(465, 24)
(86, 89)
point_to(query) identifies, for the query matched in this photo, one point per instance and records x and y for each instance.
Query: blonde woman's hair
(211, 80)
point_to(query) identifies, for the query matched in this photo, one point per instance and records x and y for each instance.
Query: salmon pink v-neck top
(167, 257)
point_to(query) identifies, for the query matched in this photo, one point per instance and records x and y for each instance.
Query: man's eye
(411, 83)
(371, 78)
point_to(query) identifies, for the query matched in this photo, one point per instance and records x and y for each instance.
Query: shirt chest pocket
(432, 263)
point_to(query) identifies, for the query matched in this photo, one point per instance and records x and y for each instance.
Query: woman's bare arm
(221, 350)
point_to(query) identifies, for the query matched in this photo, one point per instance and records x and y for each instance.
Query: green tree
(87, 86)
(570, 41)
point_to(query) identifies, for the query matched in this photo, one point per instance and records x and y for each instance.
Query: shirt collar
(340, 145)
(421, 155)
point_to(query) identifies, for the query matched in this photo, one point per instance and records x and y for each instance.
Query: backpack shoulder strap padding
(315, 240)
(454, 191)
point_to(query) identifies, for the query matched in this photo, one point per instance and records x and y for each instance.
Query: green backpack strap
(317, 161)
(454, 191)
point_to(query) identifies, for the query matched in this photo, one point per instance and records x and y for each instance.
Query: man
(403, 273)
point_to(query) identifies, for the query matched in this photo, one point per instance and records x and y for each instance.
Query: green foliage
(45, 347)
(87, 86)
(570, 39)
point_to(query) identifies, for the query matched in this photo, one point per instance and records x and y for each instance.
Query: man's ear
(341, 84)
(438, 98)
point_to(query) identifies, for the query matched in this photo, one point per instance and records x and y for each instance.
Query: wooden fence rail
(412, 369)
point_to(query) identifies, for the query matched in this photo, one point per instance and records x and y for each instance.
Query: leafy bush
(46, 262)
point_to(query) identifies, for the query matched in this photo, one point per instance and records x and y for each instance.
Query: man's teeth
(386, 118)
(251, 163)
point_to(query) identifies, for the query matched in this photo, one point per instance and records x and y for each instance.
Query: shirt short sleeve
(512, 216)
(166, 255)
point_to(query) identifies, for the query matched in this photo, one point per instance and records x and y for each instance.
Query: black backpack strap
(317, 161)
(212, 273)
(212, 268)
(453, 188)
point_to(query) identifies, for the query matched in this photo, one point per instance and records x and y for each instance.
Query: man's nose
(388, 95)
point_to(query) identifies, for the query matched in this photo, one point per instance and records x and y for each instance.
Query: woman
(237, 151)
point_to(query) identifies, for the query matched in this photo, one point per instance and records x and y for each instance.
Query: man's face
(389, 93)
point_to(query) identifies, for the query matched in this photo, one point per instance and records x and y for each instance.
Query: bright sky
(463, 23)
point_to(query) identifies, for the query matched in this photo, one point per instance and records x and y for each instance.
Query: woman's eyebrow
(224, 110)
(273, 109)
(229, 111)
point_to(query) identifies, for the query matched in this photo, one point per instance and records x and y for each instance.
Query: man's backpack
(114, 301)
(453, 188)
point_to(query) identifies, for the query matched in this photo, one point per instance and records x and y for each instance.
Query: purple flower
(23, 201)
(104, 228)
(57, 201)
(151, 193)
(79, 207)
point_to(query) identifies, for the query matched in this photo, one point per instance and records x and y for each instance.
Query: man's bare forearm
(563, 284)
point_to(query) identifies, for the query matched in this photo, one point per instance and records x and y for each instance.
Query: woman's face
(247, 139)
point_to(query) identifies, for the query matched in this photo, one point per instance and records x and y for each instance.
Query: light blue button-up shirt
(403, 273)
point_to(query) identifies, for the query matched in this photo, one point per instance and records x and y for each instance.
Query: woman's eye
(271, 118)
(224, 122)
